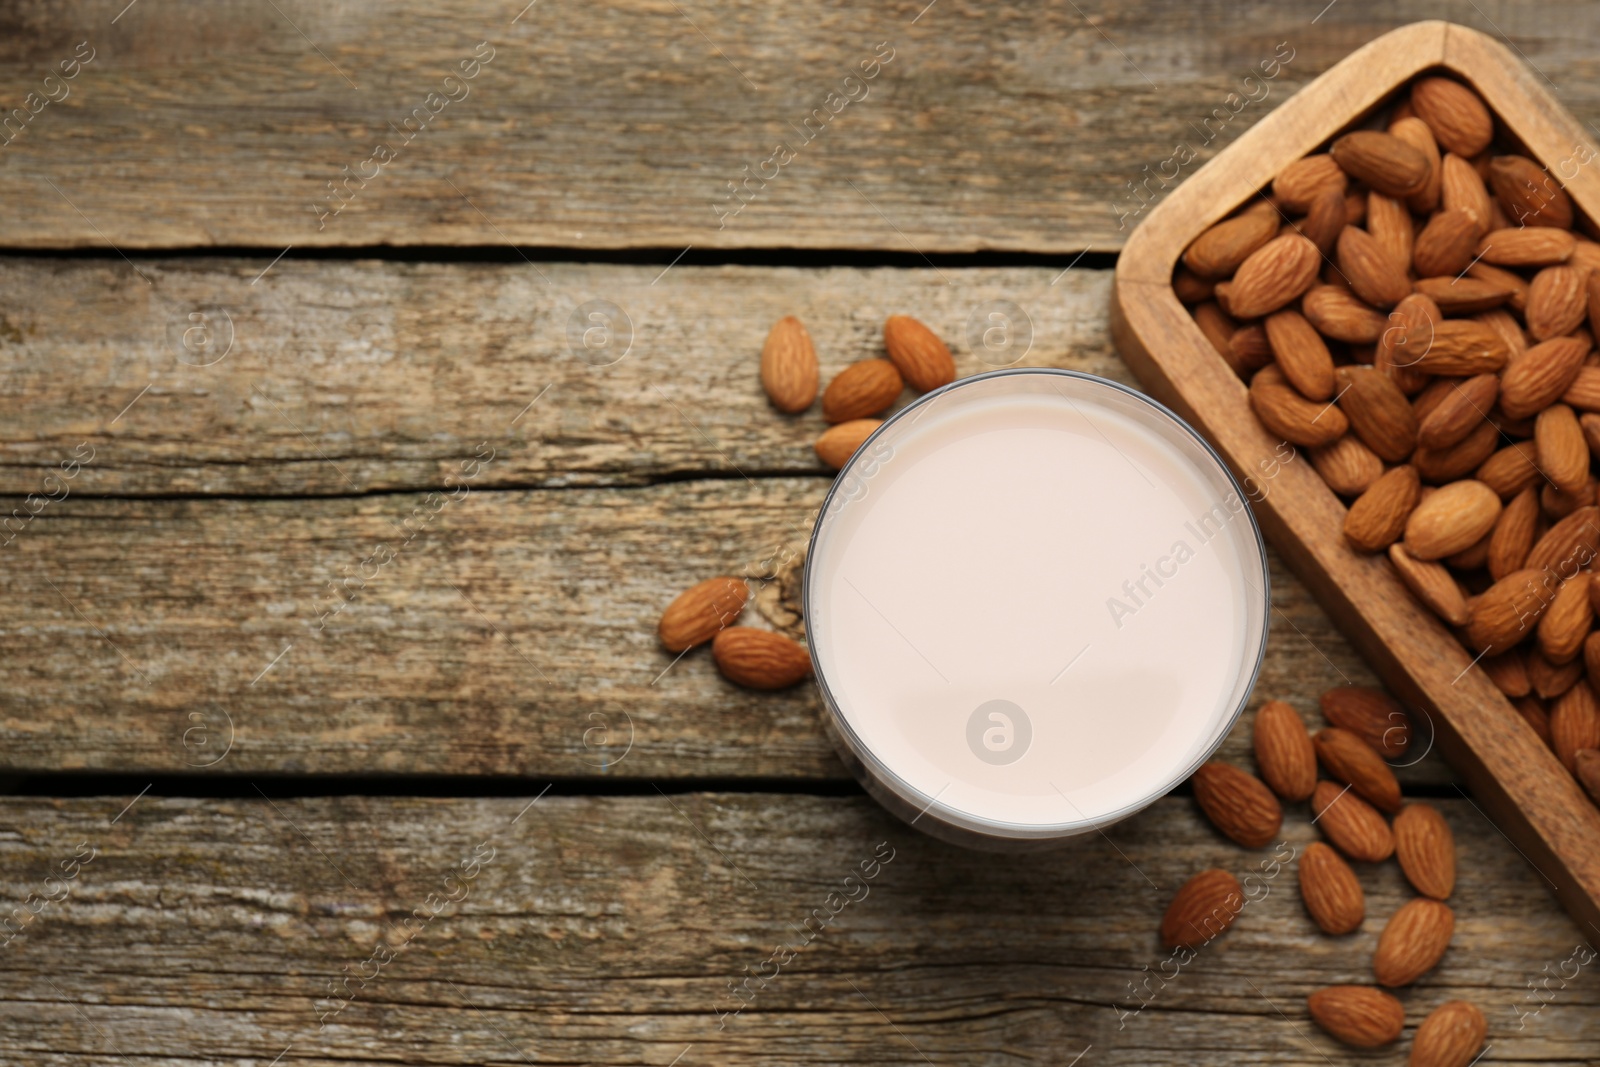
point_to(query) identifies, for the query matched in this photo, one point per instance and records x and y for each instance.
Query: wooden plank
(347, 377)
(611, 930)
(1509, 768)
(1034, 129)
(512, 627)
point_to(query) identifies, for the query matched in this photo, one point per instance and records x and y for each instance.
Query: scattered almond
(1202, 909)
(759, 659)
(1370, 714)
(1284, 753)
(1351, 760)
(1413, 941)
(862, 390)
(1330, 890)
(922, 359)
(695, 616)
(789, 370)
(838, 443)
(1451, 1036)
(1352, 825)
(1358, 1015)
(1426, 850)
(1237, 804)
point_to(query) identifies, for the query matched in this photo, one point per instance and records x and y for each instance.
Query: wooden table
(326, 743)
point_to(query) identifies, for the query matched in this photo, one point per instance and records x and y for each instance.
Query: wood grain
(507, 638)
(1510, 770)
(350, 377)
(1030, 128)
(610, 930)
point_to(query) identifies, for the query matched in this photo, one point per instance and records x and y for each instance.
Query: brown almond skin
(1216, 324)
(1525, 247)
(1301, 353)
(1352, 825)
(1378, 517)
(1508, 610)
(1513, 534)
(1446, 243)
(1432, 584)
(1373, 275)
(1370, 714)
(1339, 314)
(1530, 195)
(862, 390)
(1219, 251)
(1414, 132)
(1466, 404)
(1248, 349)
(1452, 519)
(1291, 416)
(1462, 348)
(1297, 185)
(1202, 909)
(1426, 849)
(1273, 275)
(1389, 223)
(1330, 890)
(1558, 302)
(1190, 288)
(1464, 295)
(789, 371)
(1238, 804)
(1510, 470)
(1383, 161)
(1574, 724)
(922, 359)
(1284, 755)
(1569, 545)
(1457, 116)
(1551, 680)
(1451, 1036)
(1534, 714)
(759, 659)
(1349, 759)
(1541, 375)
(1444, 465)
(1405, 339)
(838, 443)
(1591, 650)
(1567, 621)
(700, 611)
(1359, 1016)
(1348, 466)
(1413, 942)
(1509, 673)
(1562, 452)
(1378, 412)
(1587, 768)
(1514, 284)
(1461, 188)
(1324, 220)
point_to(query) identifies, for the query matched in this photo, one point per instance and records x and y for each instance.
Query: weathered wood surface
(347, 377)
(508, 637)
(1014, 128)
(610, 930)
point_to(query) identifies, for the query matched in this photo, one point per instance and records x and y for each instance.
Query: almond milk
(1036, 602)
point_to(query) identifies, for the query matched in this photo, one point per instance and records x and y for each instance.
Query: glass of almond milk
(1036, 601)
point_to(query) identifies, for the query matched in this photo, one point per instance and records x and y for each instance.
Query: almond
(1551, 680)
(1272, 275)
(1591, 645)
(701, 610)
(1351, 824)
(1237, 804)
(1558, 302)
(1442, 465)
(1378, 517)
(1465, 406)
(1248, 349)
(1301, 353)
(1525, 247)
(862, 390)
(1383, 161)
(1406, 340)
(1512, 538)
(1219, 251)
(1455, 114)
(1508, 610)
(1562, 453)
(1462, 348)
(1323, 222)
(1569, 545)
(1413, 941)
(1587, 768)
(1510, 470)
(1471, 558)
(1284, 754)
(1374, 276)
(1584, 391)
(1446, 243)
(1378, 412)
(1216, 324)
(1574, 724)
(1449, 1037)
(1190, 288)
(1202, 909)
(1370, 714)
(1349, 759)
(1527, 192)
(1358, 1015)
(1509, 672)
(838, 443)
(1426, 850)
(1348, 466)
(1592, 294)
(1389, 223)
(1464, 295)
(917, 353)
(1505, 324)
(1541, 375)
(1499, 279)
(1296, 188)
(1338, 314)
(789, 371)
(1291, 416)
(1452, 519)
(759, 659)
(1330, 890)
(1534, 714)
(1461, 189)
(1432, 584)
(1414, 132)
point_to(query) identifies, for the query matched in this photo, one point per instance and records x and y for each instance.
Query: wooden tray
(1516, 779)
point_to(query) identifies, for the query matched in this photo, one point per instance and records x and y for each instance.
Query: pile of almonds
(1414, 309)
(757, 658)
(1367, 728)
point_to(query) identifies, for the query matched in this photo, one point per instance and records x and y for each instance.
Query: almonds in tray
(1430, 345)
